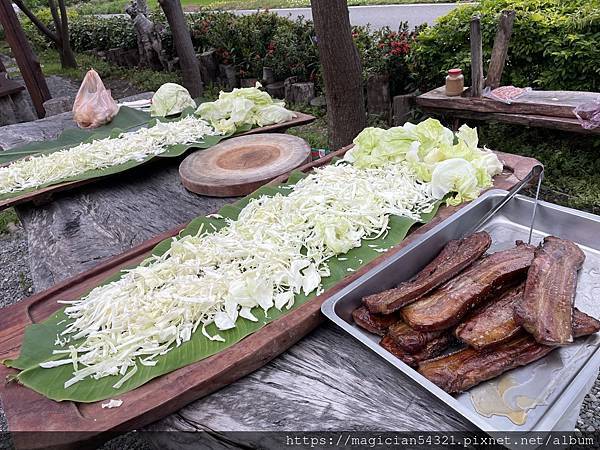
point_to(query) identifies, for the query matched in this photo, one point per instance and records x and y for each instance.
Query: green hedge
(555, 44)
(249, 42)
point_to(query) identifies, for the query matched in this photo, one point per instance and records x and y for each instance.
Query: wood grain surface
(541, 103)
(46, 194)
(173, 391)
(240, 165)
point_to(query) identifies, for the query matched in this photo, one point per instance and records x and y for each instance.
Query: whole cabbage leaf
(170, 99)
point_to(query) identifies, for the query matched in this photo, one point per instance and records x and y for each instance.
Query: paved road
(380, 16)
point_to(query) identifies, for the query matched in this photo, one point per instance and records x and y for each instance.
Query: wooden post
(476, 58)
(27, 61)
(209, 68)
(402, 107)
(378, 97)
(302, 93)
(500, 50)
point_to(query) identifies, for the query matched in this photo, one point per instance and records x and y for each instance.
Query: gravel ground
(15, 284)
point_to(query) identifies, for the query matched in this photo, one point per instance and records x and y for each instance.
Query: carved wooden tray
(44, 195)
(29, 412)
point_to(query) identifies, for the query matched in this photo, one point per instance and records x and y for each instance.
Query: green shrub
(92, 32)
(555, 44)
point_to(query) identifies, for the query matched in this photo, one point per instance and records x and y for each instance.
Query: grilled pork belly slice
(373, 323)
(466, 368)
(409, 339)
(431, 349)
(456, 256)
(493, 324)
(546, 309)
(446, 306)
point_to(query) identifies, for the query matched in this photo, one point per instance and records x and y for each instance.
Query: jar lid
(455, 71)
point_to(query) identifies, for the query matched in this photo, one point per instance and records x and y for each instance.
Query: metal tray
(552, 386)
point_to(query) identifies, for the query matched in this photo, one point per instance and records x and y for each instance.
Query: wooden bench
(546, 109)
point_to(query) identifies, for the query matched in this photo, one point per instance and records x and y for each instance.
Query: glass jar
(455, 83)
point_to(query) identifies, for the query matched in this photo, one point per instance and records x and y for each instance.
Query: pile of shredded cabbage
(451, 163)
(241, 107)
(101, 153)
(278, 247)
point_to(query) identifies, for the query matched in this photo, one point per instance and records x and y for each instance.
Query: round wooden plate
(239, 166)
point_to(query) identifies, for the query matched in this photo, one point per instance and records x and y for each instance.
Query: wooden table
(545, 109)
(326, 382)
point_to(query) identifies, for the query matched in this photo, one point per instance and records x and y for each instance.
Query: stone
(319, 102)
(58, 105)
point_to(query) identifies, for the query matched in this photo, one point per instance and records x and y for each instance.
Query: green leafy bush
(555, 44)
(249, 42)
(91, 32)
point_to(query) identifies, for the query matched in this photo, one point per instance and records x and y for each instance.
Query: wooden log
(476, 58)
(7, 111)
(248, 82)
(27, 61)
(402, 106)
(500, 49)
(302, 93)
(287, 88)
(268, 77)
(378, 97)
(209, 68)
(276, 90)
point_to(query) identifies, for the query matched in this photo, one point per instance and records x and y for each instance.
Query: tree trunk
(182, 41)
(61, 23)
(68, 57)
(342, 72)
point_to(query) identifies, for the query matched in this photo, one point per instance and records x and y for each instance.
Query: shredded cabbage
(426, 148)
(278, 247)
(243, 107)
(40, 170)
(170, 99)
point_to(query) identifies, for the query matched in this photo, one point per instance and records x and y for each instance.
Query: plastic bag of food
(93, 106)
(505, 94)
(589, 114)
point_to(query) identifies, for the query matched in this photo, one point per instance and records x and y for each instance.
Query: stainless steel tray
(542, 392)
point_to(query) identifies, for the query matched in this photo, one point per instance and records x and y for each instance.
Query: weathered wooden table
(325, 382)
(544, 109)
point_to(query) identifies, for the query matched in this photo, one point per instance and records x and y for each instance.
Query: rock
(58, 105)
(319, 102)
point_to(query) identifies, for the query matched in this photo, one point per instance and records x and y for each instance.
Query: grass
(8, 218)
(118, 6)
(571, 161)
(143, 79)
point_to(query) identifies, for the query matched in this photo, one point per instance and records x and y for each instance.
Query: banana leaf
(127, 119)
(39, 339)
